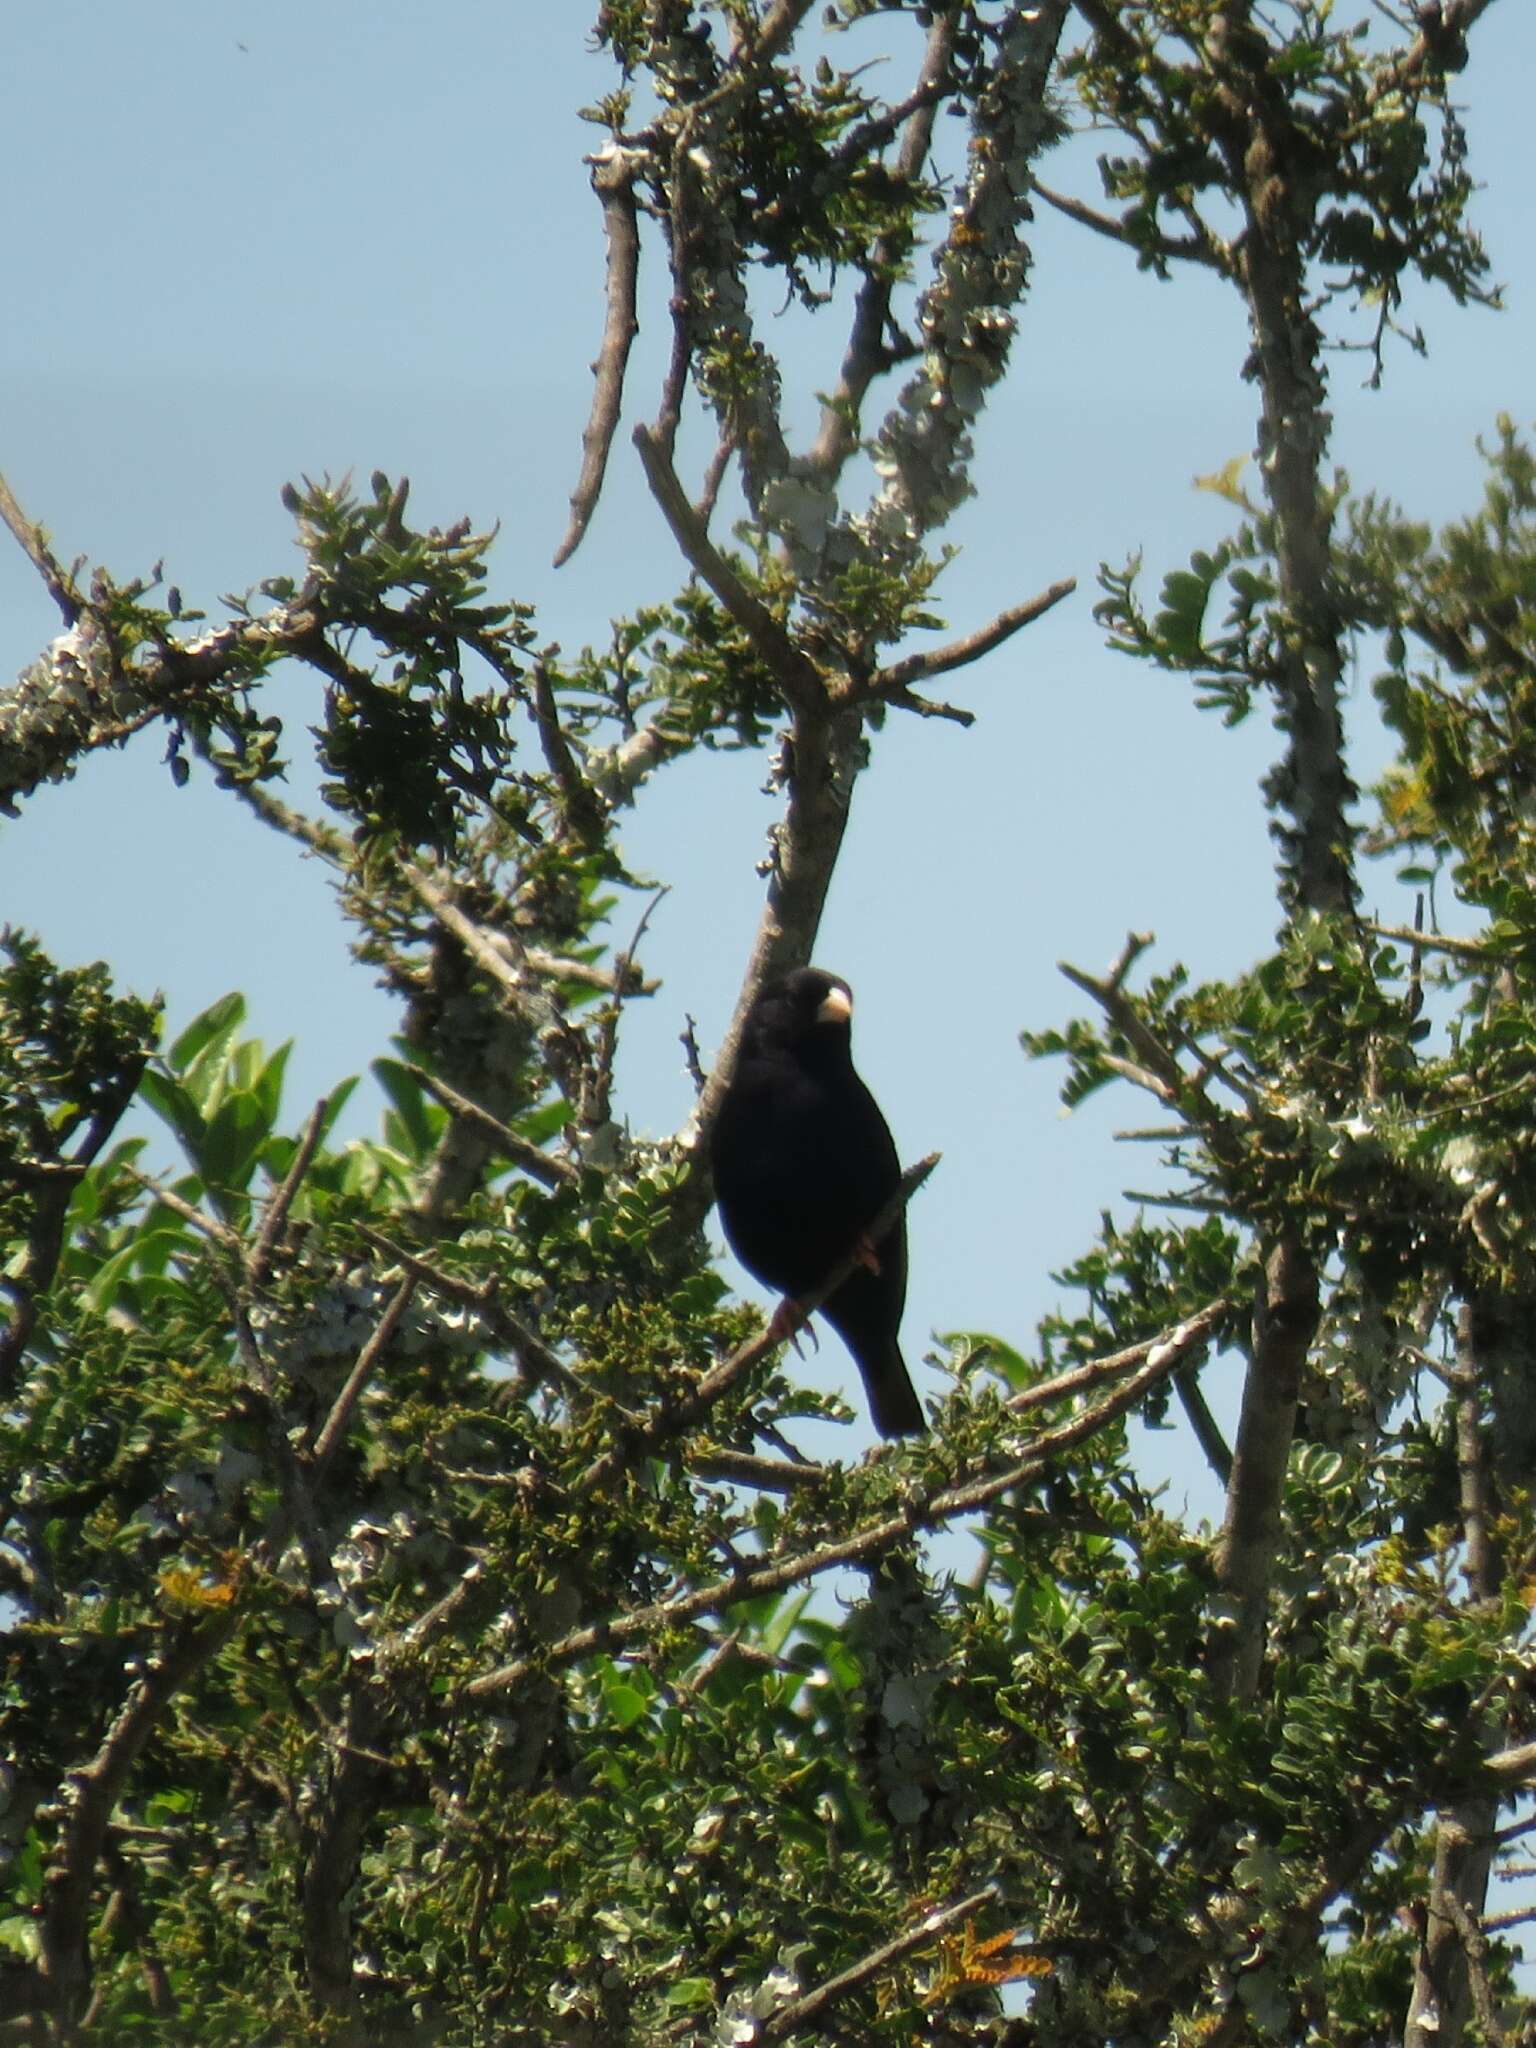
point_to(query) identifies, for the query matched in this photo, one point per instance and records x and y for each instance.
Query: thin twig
(282, 1201)
(938, 661)
(536, 1163)
(595, 1108)
(329, 1440)
(1434, 942)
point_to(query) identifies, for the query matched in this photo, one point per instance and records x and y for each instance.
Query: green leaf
(174, 1106)
(235, 1134)
(218, 1022)
(421, 1119)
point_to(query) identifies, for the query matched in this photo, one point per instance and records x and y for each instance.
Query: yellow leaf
(1224, 482)
(194, 1589)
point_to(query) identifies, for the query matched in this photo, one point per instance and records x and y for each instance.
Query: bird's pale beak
(836, 1007)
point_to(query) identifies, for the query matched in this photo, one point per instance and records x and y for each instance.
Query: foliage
(417, 1623)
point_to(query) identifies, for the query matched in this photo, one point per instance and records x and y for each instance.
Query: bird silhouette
(803, 1163)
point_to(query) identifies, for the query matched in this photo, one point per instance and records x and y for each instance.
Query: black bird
(803, 1164)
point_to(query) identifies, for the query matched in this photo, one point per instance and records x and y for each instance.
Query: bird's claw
(788, 1322)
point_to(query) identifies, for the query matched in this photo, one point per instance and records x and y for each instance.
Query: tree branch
(919, 668)
(282, 1201)
(613, 180)
(330, 1438)
(866, 355)
(1284, 1324)
(1195, 248)
(794, 671)
(1161, 1357)
(538, 1164)
(91, 1794)
(62, 587)
(811, 2005)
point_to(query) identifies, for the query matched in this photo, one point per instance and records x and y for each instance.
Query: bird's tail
(893, 1403)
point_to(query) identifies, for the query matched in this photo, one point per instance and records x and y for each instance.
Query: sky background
(252, 242)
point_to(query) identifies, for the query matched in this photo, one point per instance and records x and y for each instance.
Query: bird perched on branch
(803, 1163)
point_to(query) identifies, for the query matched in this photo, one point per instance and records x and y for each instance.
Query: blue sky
(254, 242)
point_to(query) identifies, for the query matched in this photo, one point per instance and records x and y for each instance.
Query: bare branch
(1207, 1434)
(1108, 992)
(1195, 248)
(714, 477)
(1141, 1077)
(208, 1226)
(918, 668)
(763, 1475)
(596, 1096)
(867, 354)
(613, 180)
(688, 1038)
(1189, 1336)
(1433, 942)
(320, 839)
(931, 707)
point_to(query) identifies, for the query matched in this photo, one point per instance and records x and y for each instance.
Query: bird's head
(808, 1010)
